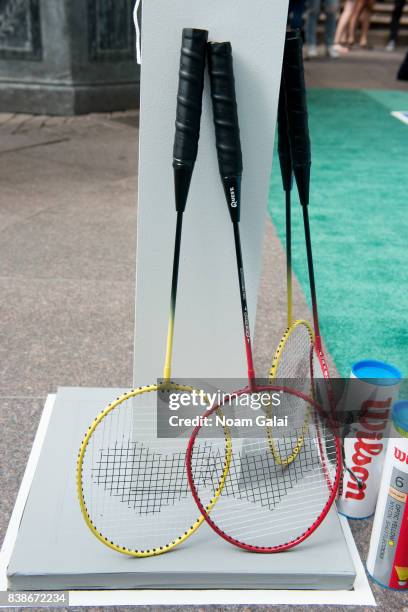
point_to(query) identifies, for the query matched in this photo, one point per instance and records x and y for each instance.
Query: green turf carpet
(359, 222)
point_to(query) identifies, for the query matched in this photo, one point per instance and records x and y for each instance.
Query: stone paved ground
(374, 69)
(67, 246)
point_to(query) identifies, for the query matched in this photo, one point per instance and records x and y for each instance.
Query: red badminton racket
(263, 506)
(300, 151)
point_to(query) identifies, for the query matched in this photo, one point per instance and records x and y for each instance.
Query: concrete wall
(67, 57)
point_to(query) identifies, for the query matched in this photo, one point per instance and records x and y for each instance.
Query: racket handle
(295, 88)
(188, 114)
(220, 64)
(283, 141)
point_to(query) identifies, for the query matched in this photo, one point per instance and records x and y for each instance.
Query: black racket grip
(283, 140)
(190, 95)
(188, 114)
(296, 104)
(220, 65)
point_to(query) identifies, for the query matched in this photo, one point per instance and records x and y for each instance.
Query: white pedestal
(48, 546)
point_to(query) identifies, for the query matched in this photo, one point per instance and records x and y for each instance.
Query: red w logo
(400, 455)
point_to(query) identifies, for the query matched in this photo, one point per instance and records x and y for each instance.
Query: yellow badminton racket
(292, 359)
(132, 487)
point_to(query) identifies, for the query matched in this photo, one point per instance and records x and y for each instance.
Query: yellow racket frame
(166, 386)
(272, 375)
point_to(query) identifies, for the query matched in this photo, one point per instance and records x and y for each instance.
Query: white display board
(208, 333)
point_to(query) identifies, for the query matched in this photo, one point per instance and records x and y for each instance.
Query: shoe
(390, 46)
(311, 51)
(341, 48)
(332, 52)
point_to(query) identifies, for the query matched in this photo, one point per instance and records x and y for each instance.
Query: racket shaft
(285, 162)
(229, 154)
(289, 258)
(187, 134)
(173, 297)
(244, 305)
(310, 266)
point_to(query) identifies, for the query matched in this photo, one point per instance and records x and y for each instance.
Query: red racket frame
(332, 487)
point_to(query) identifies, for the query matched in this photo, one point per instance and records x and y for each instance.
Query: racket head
(291, 364)
(292, 356)
(132, 487)
(259, 508)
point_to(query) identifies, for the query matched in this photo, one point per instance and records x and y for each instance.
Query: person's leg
(330, 8)
(290, 11)
(365, 19)
(358, 7)
(313, 10)
(297, 9)
(343, 22)
(365, 22)
(395, 19)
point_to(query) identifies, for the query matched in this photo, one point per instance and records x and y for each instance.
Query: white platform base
(359, 595)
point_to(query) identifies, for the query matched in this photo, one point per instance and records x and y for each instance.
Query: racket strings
(255, 476)
(146, 480)
(132, 485)
(264, 504)
(292, 357)
(292, 365)
(143, 479)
